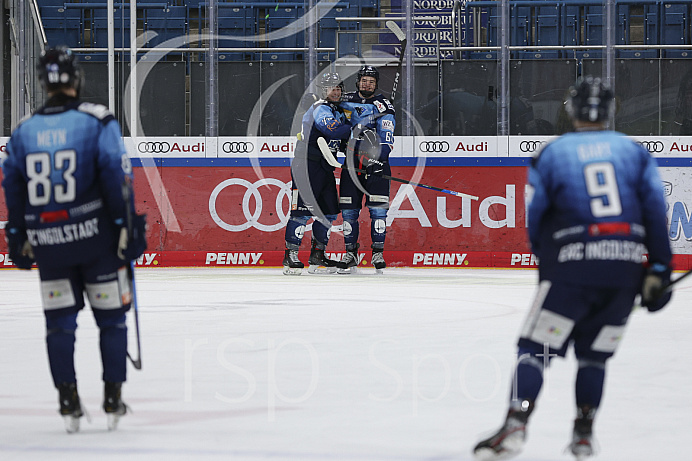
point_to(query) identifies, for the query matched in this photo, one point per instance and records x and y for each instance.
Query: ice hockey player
(314, 186)
(596, 207)
(372, 140)
(67, 182)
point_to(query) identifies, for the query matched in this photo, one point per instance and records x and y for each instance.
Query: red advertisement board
(235, 216)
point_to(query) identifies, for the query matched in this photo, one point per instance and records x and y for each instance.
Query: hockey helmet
(365, 143)
(367, 71)
(59, 68)
(328, 81)
(590, 100)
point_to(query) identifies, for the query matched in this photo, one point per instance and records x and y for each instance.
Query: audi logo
(238, 147)
(153, 147)
(530, 146)
(434, 146)
(252, 217)
(653, 146)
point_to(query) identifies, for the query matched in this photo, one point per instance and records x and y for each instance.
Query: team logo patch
(380, 107)
(380, 226)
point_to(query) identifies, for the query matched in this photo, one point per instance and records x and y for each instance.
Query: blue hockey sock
(113, 344)
(528, 377)
(295, 229)
(351, 227)
(378, 227)
(60, 338)
(589, 384)
(320, 231)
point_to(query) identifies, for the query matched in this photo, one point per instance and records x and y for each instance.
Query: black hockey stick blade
(327, 154)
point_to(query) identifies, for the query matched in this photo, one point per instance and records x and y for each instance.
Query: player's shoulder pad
(98, 111)
(24, 119)
(537, 156)
(346, 97)
(383, 104)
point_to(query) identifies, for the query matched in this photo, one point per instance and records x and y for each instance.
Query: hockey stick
(329, 157)
(137, 363)
(674, 282)
(396, 30)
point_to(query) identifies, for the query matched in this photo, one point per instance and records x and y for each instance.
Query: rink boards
(211, 208)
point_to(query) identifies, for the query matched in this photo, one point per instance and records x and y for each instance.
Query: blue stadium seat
(328, 26)
(594, 18)
(235, 20)
(121, 29)
(42, 3)
(570, 27)
(62, 26)
(280, 18)
(675, 29)
(168, 23)
(547, 30)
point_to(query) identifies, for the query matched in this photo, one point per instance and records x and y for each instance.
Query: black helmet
(367, 71)
(328, 81)
(590, 100)
(59, 68)
(365, 143)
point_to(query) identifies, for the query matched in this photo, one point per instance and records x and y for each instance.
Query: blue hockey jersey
(358, 108)
(323, 119)
(63, 179)
(596, 205)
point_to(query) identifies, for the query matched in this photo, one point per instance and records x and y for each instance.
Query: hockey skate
(378, 261)
(320, 264)
(509, 440)
(292, 265)
(582, 445)
(350, 260)
(70, 406)
(113, 404)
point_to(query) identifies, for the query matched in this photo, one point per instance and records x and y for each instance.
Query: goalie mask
(58, 68)
(328, 82)
(590, 100)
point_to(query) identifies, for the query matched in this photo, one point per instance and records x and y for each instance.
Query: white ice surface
(413, 365)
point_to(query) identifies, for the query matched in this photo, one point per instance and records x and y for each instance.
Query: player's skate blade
(317, 269)
(504, 444)
(70, 406)
(510, 448)
(379, 262)
(291, 263)
(113, 404)
(348, 270)
(112, 420)
(292, 270)
(350, 261)
(71, 423)
(320, 264)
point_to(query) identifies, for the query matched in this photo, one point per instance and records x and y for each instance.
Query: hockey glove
(373, 165)
(21, 253)
(654, 294)
(131, 245)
